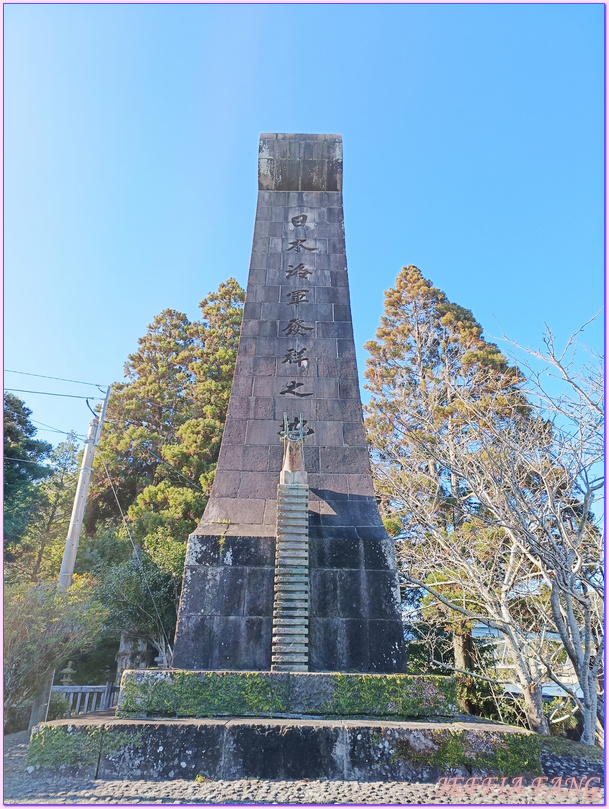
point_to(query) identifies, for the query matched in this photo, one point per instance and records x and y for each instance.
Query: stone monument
(289, 646)
(295, 375)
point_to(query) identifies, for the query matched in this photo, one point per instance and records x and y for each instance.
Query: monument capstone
(295, 375)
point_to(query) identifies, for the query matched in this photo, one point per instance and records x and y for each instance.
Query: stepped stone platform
(232, 748)
(230, 725)
(184, 693)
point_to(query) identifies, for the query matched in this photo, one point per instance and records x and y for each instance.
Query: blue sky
(473, 148)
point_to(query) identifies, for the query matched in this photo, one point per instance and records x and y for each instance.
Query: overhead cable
(55, 429)
(48, 393)
(22, 460)
(57, 378)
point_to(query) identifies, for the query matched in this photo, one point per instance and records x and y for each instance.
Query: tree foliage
(43, 627)
(159, 449)
(23, 468)
(38, 555)
(141, 601)
(496, 526)
(164, 426)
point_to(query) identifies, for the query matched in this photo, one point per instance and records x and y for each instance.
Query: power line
(22, 460)
(55, 429)
(57, 378)
(59, 432)
(92, 398)
(47, 393)
(188, 480)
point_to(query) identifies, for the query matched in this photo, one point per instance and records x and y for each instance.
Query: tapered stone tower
(295, 369)
(290, 589)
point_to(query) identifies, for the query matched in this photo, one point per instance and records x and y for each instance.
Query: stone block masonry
(194, 694)
(296, 355)
(344, 750)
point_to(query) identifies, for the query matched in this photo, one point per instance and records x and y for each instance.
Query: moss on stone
(504, 754)
(202, 694)
(116, 742)
(392, 695)
(55, 745)
(192, 694)
(66, 745)
(566, 747)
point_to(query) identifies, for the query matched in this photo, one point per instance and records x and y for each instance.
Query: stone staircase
(290, 650)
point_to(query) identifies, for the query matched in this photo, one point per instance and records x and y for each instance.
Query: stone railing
(88, 698)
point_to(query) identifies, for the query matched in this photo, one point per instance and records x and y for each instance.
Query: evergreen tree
(39, 553)
(141, 600)
(164, 426)
(23, 469)
(437, 385)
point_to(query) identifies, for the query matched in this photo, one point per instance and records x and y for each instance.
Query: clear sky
(473, 148)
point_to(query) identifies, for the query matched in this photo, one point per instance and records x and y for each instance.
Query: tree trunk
(534, 710)
(463, 648)
(590, 713)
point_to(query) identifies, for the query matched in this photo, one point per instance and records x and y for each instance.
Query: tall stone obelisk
(296, 356)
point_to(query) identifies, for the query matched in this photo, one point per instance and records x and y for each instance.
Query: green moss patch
(566, 747)
(76, 747)
(198, 694)
(391, 695)
(203, 694)
(54, 745)
(504, 754)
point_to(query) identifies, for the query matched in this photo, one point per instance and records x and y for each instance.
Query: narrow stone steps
(292, 631)
(290, 635)
(290, 613)
(286, 570)
(295, 553)
(283, 624)
(291, 645)
(290, 598)
(290, 658)
(290, 667)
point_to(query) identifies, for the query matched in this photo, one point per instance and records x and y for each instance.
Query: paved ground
(22, 788)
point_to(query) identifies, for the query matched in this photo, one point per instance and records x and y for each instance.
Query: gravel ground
(22, 788)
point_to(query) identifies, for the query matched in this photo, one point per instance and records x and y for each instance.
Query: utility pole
(78, 509)
(40, 706)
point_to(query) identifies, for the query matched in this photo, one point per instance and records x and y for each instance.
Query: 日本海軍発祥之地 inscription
(296, 356)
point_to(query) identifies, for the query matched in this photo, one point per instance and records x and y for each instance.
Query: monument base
(236, 748)
(148, 693)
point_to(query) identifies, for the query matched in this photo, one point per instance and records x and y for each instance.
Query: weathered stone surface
(282, 750)
(163, 751)
(352, 750)
(156, 692)
(296, 355)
